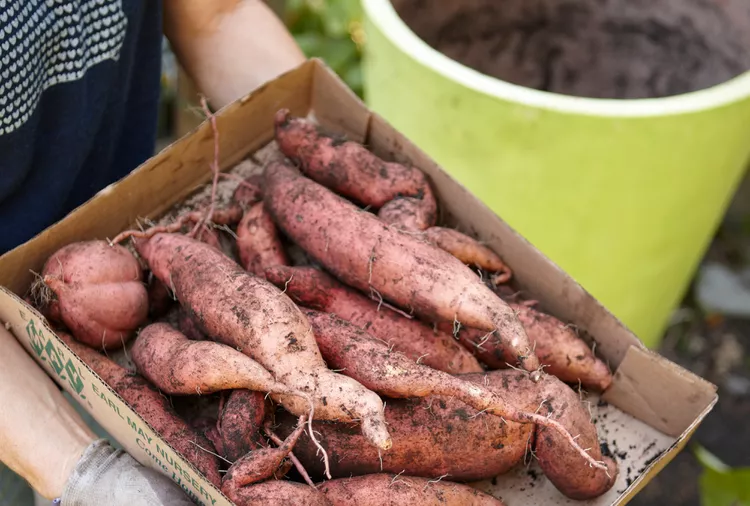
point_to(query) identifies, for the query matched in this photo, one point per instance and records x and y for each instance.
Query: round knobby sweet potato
(99, 292)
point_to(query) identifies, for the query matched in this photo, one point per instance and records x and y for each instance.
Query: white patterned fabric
(46, 42)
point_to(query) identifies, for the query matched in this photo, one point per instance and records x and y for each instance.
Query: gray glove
(108, 476)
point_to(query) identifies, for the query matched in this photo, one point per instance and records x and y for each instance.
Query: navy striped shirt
(79, 92)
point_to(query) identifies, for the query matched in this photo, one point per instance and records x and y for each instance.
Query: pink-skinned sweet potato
(178, 366)
(315, 289)
(436, 435)
(401, 194)
(255, 317)
(349, 169)
(279, 493)
(390, 373)
(98, 293)
(432, 436)
(240, 421)
(155, 409)
(384, 489)
(259, 465)
(559, 349)
(159, 296)
(408, 213)
(469, 251)
(363, 252)
(258, 241)
(563, 466)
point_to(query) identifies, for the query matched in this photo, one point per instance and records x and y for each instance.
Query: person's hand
(105, 475)
(46, 442)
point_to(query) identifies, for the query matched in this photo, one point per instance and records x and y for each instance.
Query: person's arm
(42, 437)
(46, 442)
(229, 47)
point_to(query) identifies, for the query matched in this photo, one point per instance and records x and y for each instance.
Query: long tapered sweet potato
(315, 289)
(432, 436)
(253, 316)
(178, 366)
(99, 293)
(153, 407)
(469, 251)
(349, 169)
(240, 421)
(398, 489)
(390, 373)
(404, 270)
(564, 354)
(438, 435)
(258, 241)
(279, 493)
(258, 465)
(401, 194)
(563, 466)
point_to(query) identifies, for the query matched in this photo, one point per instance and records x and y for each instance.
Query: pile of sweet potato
(391, 363)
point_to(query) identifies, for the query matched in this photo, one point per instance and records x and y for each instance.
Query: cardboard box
(650, 411)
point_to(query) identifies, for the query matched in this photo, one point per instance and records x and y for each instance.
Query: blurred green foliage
(330, 30)
(721, 485)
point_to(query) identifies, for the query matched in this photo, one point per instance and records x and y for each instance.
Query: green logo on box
(46, 350)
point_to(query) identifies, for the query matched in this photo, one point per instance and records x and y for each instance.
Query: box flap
(664, 395)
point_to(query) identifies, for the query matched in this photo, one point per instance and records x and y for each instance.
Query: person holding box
(79, 94)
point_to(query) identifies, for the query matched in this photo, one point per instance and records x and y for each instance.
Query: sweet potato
(159, 296)
(349, 169)
(258, 241)
(279, 493)
(564, 354)
(258, 465)
(401, 194)
(99, 293)
(406, 212)
(358, 249)
(469, 251)
(432, 436)
(397, 490)
(438, 435)
(155, 409)
(252, 315)
(390, 373)
(315, 289)
(563, 466)
(240, 421)
(179, 366)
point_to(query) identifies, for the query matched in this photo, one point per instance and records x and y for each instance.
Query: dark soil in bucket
(591, 48)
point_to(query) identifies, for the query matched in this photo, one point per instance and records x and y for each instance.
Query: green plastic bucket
(624, 195)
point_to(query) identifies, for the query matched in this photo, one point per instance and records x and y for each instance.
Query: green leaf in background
(721, 485)
(332, 31)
